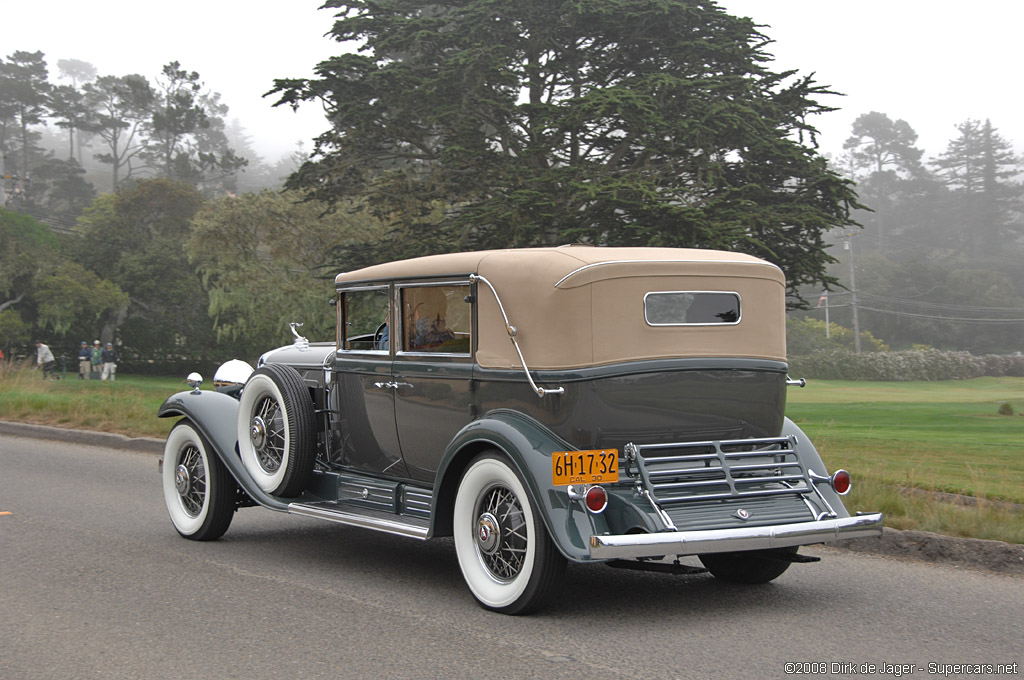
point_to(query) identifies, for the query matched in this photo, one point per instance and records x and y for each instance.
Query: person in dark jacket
(84, 361)
(109, 357)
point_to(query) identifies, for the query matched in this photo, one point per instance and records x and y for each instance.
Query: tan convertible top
(577, 306)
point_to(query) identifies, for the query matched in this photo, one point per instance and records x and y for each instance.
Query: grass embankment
(895, 438)
(128, 405)
(937, 437)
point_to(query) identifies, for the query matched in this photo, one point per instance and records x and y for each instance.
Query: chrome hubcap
(258, 432)
(488, 533)
(182, 480)
(502, 535)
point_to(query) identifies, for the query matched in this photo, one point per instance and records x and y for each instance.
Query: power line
(944, 318)
(939, 305)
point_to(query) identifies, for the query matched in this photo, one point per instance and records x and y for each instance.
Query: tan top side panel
(583, 306)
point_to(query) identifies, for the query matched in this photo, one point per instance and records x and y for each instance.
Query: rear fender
(809, 456)
(215, 415)
(529, 446)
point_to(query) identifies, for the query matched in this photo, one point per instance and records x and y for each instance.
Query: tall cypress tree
(618, 122)
(980, 168)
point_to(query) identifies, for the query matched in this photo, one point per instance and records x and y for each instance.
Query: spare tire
(277, 430)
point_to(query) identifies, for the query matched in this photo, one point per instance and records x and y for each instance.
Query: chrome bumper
(733, 540)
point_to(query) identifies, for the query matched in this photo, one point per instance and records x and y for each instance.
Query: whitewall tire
(198, 490)
(277, 431)
(504, 551)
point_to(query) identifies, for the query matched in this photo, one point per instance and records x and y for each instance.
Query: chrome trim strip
(388, 526)
(734, 540)
(680, 261)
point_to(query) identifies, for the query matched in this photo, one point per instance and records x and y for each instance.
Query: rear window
(691, 308)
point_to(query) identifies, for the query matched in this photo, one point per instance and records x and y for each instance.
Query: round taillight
(841, 482)
(596, 499)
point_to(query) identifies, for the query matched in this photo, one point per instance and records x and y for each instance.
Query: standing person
(44, 359)
(96, 360)
(84, 360)
(109, 357)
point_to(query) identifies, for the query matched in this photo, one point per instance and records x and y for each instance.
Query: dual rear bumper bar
(628, 546)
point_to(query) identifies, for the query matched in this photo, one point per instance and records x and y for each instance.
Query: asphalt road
(95, 583)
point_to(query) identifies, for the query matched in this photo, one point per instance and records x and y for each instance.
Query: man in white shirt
(44, 359)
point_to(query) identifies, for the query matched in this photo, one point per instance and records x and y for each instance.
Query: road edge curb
(88, 437)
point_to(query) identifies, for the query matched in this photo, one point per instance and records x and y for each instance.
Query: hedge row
(929, 364)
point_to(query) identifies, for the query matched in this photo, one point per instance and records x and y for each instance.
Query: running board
(367, 519)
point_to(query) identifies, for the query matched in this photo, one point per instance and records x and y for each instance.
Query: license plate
(600, 466)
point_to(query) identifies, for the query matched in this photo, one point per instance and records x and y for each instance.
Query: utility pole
(853, 295)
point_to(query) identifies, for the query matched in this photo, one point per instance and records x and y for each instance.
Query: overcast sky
(929, 62)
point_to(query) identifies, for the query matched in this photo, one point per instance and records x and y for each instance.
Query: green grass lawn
(946, 436)
(932, 436)
(128, 405)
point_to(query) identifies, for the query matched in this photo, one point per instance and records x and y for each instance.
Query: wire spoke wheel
(190, 480)
(505, 553)
(502, 534)
(277, 430)
(270, 450)
(199, 492)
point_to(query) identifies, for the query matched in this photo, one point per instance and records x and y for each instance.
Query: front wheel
(754, 566)
(504, 551)
(198, 490)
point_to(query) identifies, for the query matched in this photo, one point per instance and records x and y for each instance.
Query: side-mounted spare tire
(277, 430)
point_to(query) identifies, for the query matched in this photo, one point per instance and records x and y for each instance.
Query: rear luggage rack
(675, 474)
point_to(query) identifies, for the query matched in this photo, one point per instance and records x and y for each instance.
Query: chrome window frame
(386, 288)
(400, 317)
(739, 305)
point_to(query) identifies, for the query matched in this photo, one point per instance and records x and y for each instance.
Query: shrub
(807, 335)
(928, 364)
(1005, 409)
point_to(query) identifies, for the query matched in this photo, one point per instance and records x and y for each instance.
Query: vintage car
(619, 405)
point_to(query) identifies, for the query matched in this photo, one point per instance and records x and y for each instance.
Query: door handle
(391, 385)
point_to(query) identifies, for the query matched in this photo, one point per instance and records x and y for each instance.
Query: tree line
(461, 126)
(61, 137)
(938, 261)
(174, 277)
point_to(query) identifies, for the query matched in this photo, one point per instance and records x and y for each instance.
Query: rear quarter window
(691, 308)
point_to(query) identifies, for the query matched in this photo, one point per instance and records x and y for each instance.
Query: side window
(436, 319)
(691, 308)
(366, 320)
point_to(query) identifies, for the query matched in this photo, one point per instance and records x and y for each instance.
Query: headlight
(232, 373)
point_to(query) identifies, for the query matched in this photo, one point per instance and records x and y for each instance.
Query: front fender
(529, 446)
(215, 415)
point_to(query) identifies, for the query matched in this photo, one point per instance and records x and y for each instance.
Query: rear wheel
(504, 551)
(754, 566)
(277, 430)
(198, 490)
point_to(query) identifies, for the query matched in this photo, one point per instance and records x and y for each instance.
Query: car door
(363, 399)
(432, 371)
